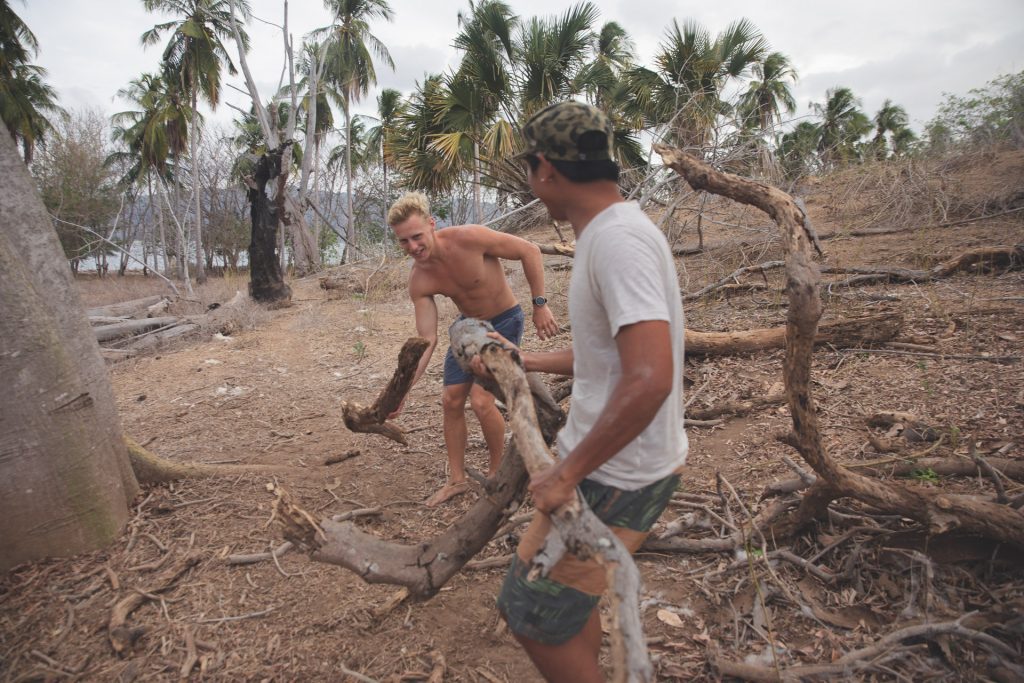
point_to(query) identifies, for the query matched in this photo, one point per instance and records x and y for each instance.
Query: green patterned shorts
(549, 611)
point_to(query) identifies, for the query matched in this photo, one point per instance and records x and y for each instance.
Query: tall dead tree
(266, 281)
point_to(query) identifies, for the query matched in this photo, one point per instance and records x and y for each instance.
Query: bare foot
(447, 492)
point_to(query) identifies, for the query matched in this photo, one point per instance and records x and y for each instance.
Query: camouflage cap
(555, 132)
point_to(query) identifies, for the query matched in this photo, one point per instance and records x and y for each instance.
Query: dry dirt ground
(270, 395)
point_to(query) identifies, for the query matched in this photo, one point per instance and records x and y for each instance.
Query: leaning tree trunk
(65, 478)
(266, 280)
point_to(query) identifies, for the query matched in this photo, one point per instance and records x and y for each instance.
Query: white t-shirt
(623, 273)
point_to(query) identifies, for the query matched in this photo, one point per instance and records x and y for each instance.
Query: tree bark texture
(266, 280)
(65, 479)
(938, 511)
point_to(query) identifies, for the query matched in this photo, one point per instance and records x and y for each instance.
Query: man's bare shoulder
(464, 235)
(421, 284)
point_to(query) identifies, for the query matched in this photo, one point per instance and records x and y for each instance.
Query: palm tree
(692, 68)
(26, 100)
(154, 135)
(767, 96)
(418, 124)
(843, 124)
(797, 149)
(551, 53)
(613, 56)
(193, 57)
(379, 137)
(891, 118)
(350, 51)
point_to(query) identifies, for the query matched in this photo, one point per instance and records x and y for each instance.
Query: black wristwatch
(539, 301)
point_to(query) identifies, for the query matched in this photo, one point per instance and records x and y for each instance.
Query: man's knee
(453, 400)
(482, 402)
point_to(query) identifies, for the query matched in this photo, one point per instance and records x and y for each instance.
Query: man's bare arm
(426, 326)
(425, 311)
(551, 362)
(645, 350)
(511, 248)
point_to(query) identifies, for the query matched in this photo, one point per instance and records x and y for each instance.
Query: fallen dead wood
(343, 282)
(125, 309)
(903, 466)
(980, 259)
(373, 419)
(872, 329)
(121, 637)
(863, 658)
(424, 567)
(736, 408)
(130, 328)
(937, 511)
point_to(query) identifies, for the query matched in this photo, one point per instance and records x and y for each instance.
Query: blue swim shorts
(508, 323)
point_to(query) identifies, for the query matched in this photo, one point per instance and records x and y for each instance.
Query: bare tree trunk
(350, 226)
(477, 204)
(65, 479)
(196, 190)
(266, 280)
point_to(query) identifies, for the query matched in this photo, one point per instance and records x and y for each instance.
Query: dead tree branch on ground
(373, 419)
(938, 511)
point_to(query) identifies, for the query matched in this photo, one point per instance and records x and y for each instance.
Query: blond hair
(406, 206)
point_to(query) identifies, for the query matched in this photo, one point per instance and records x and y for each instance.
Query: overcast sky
(910, 51)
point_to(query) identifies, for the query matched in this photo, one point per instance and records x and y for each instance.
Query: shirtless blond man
(463, 263)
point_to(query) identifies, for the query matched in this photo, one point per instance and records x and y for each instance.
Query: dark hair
(584, 171)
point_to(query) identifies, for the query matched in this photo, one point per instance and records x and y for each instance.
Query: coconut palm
(798, 149)
(843, 124)
(17, 42)
(192, 57)
(27, 102)
(154, 136)
(419, 122)
(478, 104)
(891, 118)
(379, 137)
(350, 68)
(768, 94)
(761, 106)
(551, 54)
(684, 91)
(612, 56)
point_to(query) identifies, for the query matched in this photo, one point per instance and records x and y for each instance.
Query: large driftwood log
(938, 511)
(576, 529)
(872, 329)
(373, 419)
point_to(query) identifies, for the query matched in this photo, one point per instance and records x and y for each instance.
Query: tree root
(152, 469)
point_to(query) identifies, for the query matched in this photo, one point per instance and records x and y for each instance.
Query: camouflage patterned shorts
(554, 609)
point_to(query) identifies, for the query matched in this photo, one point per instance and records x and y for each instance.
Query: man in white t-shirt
(624, 443)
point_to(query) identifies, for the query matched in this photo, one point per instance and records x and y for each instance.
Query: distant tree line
(156, 175)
